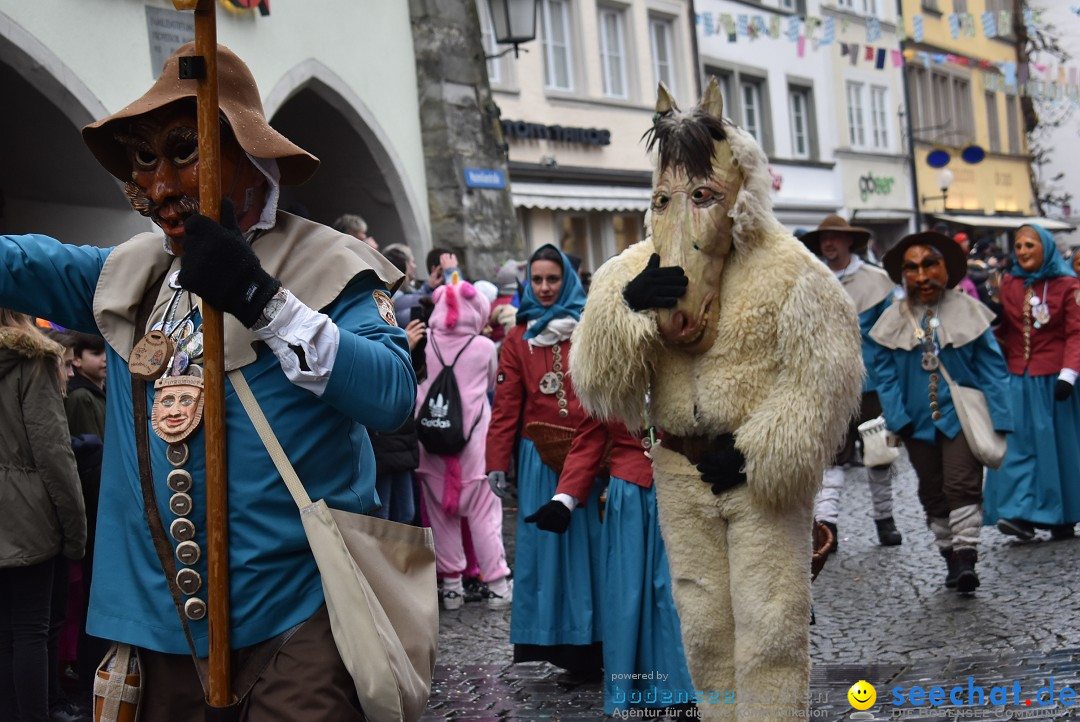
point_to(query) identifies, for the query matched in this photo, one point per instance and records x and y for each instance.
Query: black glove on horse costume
(722, 466)
(219, 266)
(656, 287)
(553, 516)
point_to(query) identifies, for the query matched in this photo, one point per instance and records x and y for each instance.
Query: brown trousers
(306, 681)
(949, 474)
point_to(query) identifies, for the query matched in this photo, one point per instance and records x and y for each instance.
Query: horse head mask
(695, 187)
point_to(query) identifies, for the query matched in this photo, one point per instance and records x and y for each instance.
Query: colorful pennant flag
(917, 28)
(989, 25)
(829, 35)
(954, 25)
(873, 30)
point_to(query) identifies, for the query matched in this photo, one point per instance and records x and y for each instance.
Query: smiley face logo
(862, 695)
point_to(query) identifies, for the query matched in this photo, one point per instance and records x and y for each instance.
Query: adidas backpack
(439, 423)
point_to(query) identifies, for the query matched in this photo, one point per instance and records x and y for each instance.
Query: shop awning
(1004, 221)
(570, 197)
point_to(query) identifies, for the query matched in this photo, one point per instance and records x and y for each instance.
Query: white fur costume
(784, 376)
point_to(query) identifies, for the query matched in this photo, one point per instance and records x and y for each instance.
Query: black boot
(887, 534)
(1022, 530)
(966, 578)
(835, 536)
(1062, 531)
(950, 576)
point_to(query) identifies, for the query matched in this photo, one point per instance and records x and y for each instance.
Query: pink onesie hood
(459, 310)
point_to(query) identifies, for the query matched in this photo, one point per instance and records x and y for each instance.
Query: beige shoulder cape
(313, 262)
(963, 319)
(868, 286)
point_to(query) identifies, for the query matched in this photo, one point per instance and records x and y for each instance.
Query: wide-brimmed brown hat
(860, 237)
(238, 98)
(955, 261)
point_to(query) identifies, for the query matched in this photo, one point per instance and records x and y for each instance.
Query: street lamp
(944, 180)
(514, 23)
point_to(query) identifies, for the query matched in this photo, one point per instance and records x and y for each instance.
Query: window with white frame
(870, 7)
(855, 114)
(993, 122)
(1012, 121)
(848, 4)
(555, 26)
(787, 4)
(487, 39)
(750, 95)
(663, 52)
(879, 117)
(613, 51)
(959, 6)
(799, 109)
(942, 105)
(746, 102)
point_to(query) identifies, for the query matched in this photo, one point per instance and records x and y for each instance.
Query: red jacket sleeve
(1071, 358)
(583, 461)
(508, 405)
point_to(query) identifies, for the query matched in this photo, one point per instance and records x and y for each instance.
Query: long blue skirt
(1039, 480)
(557, 577)
(641, 625)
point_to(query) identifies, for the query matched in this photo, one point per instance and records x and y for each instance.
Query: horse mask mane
(695, 187)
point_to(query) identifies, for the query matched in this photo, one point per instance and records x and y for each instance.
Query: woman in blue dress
(557, 578)
(1038, 485)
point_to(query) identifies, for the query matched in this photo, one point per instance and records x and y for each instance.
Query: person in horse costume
(748, 349)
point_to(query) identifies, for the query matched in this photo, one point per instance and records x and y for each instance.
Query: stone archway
(359, 171)
(49, 181)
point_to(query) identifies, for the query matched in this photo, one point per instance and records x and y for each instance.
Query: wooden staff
(219, 693)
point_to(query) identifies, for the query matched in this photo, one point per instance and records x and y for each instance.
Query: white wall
(99, 51)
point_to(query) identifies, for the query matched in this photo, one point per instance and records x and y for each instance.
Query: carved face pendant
(178, 407)
(549, 383)
(930, 361)
(1041, 314)
(150, 356)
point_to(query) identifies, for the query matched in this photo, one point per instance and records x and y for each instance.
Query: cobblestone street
(883, 615)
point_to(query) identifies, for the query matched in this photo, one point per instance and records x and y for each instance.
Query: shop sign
(484, 178)
(559, 133)
(870, 184)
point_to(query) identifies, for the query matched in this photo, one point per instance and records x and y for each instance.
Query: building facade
(777, 85)
(971, 154)
(872, 148)
(573, 108)
(64, 64)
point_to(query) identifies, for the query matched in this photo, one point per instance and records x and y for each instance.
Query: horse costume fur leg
(765, 345)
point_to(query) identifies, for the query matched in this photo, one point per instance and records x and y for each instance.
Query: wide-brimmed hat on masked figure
(955, 260)
(239, 101)
(860, 237)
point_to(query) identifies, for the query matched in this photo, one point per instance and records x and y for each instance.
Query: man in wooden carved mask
(301, 305)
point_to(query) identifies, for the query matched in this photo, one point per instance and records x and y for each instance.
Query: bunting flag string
(1055, 83)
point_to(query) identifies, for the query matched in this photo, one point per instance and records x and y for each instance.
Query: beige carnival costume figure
(750, 351)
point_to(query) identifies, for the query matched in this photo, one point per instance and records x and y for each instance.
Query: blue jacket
(968, 350)
(274, 582)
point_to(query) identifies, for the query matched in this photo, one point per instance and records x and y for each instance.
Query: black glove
(553, 516)
(656, 287)
(1062, 390)
(219, 265)
(907, 430)
(723, 465)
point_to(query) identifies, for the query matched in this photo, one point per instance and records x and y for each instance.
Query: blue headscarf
(569, 303)
(1053, 265)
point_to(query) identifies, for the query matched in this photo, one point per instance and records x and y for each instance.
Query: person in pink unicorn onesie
(455, 487)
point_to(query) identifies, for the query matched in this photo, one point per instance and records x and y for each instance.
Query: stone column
(460, 129)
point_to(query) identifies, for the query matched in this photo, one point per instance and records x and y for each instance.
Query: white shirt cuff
(569, 501)
(1068, 375)
(299, 328)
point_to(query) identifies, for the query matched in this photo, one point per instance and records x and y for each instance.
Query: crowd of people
(929, 329)
(467, 402)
